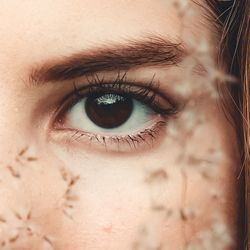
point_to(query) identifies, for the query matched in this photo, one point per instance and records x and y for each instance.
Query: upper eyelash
(146, 92)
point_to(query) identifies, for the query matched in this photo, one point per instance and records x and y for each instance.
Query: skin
(114, 202)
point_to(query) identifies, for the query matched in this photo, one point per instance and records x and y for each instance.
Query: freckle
(18, 216)
(157, 175)
(2, 220)
(158, 208)
(23, 151)
(29, 231)
(14, 239)
(46, 239)
(13, 172)
(28, 216)
(107, 229)
(31, 159)
(183, 215)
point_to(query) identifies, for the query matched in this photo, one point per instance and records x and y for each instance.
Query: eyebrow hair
(153, 51)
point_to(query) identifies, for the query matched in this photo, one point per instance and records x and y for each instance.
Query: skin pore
(165, 181)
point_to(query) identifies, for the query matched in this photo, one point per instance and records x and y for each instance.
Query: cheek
(145, 199)
(107, 202)
(109, 206)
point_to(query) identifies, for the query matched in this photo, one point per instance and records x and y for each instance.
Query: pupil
(109, 110)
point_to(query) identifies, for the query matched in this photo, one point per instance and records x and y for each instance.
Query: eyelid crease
(146, 92)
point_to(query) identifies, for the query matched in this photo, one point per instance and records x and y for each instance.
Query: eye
(110, 113)
(115, 114)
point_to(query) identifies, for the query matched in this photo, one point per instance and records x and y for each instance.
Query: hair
(233, 18)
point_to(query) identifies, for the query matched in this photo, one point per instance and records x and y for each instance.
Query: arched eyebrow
(154, 51)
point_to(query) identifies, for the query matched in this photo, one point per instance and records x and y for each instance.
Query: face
(113, 133)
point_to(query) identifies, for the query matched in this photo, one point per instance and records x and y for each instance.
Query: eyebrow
(154, 51)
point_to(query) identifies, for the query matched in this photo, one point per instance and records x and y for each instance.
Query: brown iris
(109, 110)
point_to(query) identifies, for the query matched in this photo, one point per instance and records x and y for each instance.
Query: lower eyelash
(147, 137)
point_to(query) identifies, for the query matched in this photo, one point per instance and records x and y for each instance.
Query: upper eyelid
(75, 96)
(117, 78)
(121, 80)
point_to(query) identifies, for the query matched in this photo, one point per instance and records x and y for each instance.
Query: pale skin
(113, 189)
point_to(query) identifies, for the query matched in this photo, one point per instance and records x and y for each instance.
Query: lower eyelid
(136, 142)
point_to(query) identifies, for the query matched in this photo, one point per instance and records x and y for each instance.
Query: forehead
(52, 28)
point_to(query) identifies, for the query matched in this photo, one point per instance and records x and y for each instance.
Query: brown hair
(233, 18)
